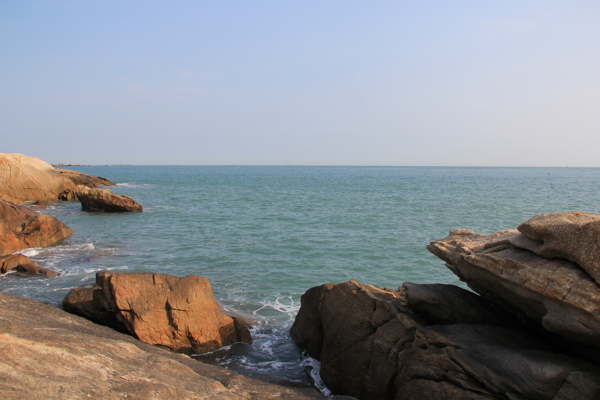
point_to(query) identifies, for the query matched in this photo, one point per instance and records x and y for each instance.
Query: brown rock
(21, 228)
(178, 313)
(24, 178)
(22, 263)
(50, 354)
(80, 178)
(373, 344)
(556, 294)
(573, 236)
(103, 200)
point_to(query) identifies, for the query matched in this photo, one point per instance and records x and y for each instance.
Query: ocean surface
(264, 235)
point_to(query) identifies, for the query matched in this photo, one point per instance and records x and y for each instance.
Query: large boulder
(573, 236)
(431, 342)
(50, 354)
(179, 313)
(103, 200)
(21, 263)
(21, 228)
(80, 178)
(554, 293)
(24, 178)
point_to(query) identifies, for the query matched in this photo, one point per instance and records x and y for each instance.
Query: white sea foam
(32, 252)
(314, 368)
(281, 304)
(133, 184)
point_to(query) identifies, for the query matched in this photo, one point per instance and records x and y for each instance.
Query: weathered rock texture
(103, 200)
(80, 178)
(21, 228)
(573, 236)
(179, 313)
(431, 342)
(24, 178)
(555, 293)
(23, 264)
(50, 354)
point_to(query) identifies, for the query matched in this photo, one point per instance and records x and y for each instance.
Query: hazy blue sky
(513, 83)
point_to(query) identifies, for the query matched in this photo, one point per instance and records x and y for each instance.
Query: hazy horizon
(339, 83)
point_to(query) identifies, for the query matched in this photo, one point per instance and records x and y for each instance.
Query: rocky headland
(531, 330)
(48, 353)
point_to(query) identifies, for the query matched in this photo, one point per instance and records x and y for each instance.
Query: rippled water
(264, 235)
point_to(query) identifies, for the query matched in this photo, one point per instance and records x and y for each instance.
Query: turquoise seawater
(264, 235)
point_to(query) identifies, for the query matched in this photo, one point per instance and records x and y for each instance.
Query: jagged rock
(80, 178)
(24, 178)
(374, 344)
(103, 200)
(179, 313)
(554, 293)
(573, 236)
(24, 264)
(21, 228)
(50, 354)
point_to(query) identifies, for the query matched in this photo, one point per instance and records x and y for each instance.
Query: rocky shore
(531, 330)
(48, 353)
(528, 328)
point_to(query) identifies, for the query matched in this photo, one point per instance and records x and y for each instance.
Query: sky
(423, 83)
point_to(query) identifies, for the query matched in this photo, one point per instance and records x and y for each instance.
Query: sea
(263, 235)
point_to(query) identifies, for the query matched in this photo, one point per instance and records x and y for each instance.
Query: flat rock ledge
(79, 178)
(50, 354)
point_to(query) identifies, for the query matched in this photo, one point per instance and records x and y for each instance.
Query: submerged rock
(23, 264)
(79, 178)
(50, 354)
(22, 228)
(24, 178)
(103, 200)
(179, 313)
(431, 342)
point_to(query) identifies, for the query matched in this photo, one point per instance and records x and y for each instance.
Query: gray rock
(573, 236)
(556, 294)
(373, 345)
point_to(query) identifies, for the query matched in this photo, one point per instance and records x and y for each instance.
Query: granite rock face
(103, 200)
(24, 178)
(50, 354)
(22, 228)
(79, 178)
(555, 293)
(415, 343)
(179, 313)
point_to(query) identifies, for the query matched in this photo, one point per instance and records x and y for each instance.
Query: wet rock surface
(22, 228)
(23, 264)
(103, 200)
